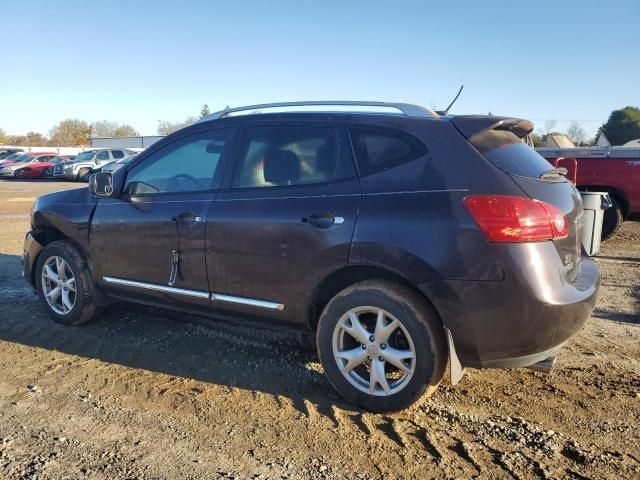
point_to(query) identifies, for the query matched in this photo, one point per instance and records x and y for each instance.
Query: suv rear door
(285, 219)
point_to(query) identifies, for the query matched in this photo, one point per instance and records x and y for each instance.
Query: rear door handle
(186, 219)
(323, 220)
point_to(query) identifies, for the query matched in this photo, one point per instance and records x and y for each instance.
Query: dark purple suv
(402, 238)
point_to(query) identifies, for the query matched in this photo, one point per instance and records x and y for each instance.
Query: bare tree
(549, 125)
(576, 133)
(165, 127)
(106, 128)
(103, 128)
(125, 130)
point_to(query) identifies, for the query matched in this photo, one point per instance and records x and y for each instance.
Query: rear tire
(410, 356)
(61, 266)
(613, 219)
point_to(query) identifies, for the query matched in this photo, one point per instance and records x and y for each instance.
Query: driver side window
(190, 164)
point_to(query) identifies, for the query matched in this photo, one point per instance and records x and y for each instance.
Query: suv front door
(284, 221)
(149, 242)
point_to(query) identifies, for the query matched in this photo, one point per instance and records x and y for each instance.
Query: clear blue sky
(141, 61)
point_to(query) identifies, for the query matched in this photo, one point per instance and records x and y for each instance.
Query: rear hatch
(500, 140)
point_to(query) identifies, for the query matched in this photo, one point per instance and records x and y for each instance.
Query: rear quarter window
(378, 149)
(510, 154)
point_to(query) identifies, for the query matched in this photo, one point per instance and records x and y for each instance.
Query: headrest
(281, 167)
(326, 158)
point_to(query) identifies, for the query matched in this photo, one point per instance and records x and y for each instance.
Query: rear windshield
(509, 153)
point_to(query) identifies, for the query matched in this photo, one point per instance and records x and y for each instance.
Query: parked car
(113, 166)
(401, 240)
(39, 169)
(5, 152)
(12, 158)
(57, 161)
(80, 168)
(17, 168)
(615, 170)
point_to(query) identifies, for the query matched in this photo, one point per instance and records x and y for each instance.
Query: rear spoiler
(471, 125)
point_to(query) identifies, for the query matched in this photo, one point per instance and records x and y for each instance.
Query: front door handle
(323, 220)
(186, 219)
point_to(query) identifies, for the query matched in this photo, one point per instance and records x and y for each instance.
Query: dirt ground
(147, 393)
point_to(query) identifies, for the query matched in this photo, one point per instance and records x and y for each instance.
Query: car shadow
(278, 363)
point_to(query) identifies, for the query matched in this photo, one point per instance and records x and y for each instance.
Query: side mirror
(101, 184)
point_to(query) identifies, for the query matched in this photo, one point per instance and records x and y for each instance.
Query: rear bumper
(522, 320)
(31, 250)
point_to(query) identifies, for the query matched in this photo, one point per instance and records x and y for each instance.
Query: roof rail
(402, 108)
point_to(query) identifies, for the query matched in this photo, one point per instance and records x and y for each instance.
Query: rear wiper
(554, 173)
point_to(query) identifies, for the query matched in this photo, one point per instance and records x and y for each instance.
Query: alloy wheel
(374, 351)
(58, 285)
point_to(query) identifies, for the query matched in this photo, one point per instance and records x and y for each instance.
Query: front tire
(18, 174)
(83, 174)
(381, 345)
(63, 282)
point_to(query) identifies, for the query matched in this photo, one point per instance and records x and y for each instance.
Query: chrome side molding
(157, 288)
(246, 301)
(217, 297)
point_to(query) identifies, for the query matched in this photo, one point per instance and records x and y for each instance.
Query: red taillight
(503, 218)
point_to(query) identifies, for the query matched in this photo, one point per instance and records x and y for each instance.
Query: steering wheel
(185, 176)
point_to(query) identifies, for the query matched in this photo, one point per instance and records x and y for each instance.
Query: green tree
(70, 133)
(623, 125)
(204, 111)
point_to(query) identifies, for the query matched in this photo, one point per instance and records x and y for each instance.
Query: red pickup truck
(606, 169)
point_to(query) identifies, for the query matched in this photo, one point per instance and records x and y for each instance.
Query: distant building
(124, 142)
(602, 140)
(558, 140)
(633, 143)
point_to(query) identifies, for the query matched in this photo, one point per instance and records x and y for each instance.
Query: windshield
(84, 156)
(24, 158)
(13, 156)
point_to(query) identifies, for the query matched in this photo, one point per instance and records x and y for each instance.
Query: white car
(82, 166)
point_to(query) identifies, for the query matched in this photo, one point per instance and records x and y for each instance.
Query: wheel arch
(47, 234)
(338, 280)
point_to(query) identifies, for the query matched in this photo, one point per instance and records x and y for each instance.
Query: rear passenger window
(380, 148)
(103, 155)
(281, 155)
(117, 154)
